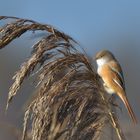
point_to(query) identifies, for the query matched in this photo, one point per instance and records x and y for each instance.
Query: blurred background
(96, 25)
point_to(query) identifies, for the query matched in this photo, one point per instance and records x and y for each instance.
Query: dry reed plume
(70, 102)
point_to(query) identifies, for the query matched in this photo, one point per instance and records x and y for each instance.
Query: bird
(110, 71)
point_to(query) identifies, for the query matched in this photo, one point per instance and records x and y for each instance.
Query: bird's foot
(111, 100)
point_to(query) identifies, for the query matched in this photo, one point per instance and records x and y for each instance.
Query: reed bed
(70, 103)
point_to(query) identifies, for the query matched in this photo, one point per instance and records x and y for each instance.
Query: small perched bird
(111, 73)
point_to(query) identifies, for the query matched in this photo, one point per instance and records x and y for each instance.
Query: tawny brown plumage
(111, 74)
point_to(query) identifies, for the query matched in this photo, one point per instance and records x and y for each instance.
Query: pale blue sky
(94, 23)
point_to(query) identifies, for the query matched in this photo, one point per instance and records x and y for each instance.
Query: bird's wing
(118, 74)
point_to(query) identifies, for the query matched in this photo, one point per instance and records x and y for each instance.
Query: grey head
(103, 54)
(103, 57)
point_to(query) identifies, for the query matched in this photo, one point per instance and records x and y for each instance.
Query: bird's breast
(103, 73)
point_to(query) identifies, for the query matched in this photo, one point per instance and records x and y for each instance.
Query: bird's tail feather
(128, 107)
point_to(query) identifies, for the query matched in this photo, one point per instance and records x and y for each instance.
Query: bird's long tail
(128, 107)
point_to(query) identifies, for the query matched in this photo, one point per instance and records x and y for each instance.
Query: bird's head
(103, 57)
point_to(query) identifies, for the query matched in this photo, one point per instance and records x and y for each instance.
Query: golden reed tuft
(70, 102)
